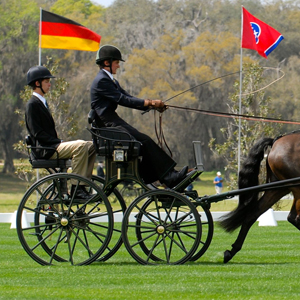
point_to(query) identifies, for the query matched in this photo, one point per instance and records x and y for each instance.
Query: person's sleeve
(107, 89)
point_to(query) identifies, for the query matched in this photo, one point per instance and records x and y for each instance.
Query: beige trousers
(83, 156)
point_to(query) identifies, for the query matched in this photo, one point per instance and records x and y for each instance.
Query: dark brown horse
(283, 162)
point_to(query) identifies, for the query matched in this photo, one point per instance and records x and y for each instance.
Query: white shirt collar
(40, 97)
(109, 74)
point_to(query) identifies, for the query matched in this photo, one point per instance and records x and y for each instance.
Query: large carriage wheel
(54, 226)
(161, 227)
(130, 190)
(118, 208)
(207, 232)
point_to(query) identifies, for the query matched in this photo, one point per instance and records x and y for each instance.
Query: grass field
(12, 190)
(266, 268)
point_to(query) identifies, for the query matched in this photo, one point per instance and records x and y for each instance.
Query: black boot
(81, 193)
(174, 177)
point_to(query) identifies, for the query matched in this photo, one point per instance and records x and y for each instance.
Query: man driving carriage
(41, 128)
(107, 94)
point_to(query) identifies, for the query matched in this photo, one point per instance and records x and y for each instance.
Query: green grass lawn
(13, 188)
(266, 268)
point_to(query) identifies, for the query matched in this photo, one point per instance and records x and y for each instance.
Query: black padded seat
(50, 163)
(40, 163)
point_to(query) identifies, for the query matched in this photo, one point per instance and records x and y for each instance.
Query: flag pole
(40, 38)
(240, 95)
(40, 63)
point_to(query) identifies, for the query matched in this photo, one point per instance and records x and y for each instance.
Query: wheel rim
(118, 207)
(207, 224)
(161, 227)
(61, 229)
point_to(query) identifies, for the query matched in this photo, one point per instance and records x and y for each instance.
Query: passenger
(41, 128)
(107, 94)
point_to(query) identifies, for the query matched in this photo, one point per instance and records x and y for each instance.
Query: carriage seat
(109, 140)
(41, 163)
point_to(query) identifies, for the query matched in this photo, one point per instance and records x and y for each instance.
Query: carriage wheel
(161, 227)
(118, 208)
(130, 190)
(55, 227)
(207, 232)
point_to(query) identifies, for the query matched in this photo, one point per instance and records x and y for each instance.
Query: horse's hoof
(227, 256)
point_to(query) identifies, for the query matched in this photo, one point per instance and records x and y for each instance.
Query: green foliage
(254, 103)
(82, 11)
(169, 46)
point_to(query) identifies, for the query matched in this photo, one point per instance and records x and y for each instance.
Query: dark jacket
(107, 94)
(41, 127)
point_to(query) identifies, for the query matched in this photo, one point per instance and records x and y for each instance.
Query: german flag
(57, 32)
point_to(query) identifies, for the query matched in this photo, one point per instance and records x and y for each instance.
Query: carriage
(160, 226)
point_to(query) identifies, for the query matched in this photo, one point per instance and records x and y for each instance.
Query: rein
(159, 131)
(232, 115)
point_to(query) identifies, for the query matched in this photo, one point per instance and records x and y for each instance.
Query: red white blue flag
(259, 36)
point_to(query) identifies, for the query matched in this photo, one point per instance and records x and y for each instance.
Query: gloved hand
(156, 104)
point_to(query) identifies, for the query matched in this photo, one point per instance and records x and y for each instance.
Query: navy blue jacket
(107, 94)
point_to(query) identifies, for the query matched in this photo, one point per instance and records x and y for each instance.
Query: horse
(282, 162)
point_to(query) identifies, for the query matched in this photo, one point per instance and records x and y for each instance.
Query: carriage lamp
(119, 155)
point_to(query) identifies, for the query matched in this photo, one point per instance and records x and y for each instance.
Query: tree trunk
(8, 158)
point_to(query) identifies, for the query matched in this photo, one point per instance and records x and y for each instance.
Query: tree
(17, 36)
(254, 104)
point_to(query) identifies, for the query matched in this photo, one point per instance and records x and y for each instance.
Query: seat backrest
(94, 119)
(198, 155)
(29, 141)
(106, 140)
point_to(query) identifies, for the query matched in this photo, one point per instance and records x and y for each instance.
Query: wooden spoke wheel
(161, 227)
(55, 227)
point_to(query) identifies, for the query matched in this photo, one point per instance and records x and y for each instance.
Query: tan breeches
(83, 156)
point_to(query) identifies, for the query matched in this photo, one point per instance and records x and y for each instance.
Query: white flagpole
(240, 96)
(40, 63)
(40, 38)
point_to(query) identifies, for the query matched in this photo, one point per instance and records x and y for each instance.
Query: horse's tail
(248, 177)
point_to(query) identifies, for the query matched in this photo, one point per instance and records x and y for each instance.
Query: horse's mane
(285, 134)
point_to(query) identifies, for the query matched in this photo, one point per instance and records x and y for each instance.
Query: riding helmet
(107, 52)
(36, 73)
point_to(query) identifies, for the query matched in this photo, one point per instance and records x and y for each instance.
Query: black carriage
(160, 226)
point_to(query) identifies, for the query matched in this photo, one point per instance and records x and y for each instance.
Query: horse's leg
(264, 203)
(294, 215)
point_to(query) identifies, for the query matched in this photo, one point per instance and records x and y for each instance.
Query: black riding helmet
(38, 73)
(108, 52)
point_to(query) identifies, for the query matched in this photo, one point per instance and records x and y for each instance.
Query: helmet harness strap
(40, 86)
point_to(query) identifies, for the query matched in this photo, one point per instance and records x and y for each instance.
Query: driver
(107, 94)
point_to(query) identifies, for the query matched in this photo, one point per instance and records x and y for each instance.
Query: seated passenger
(41, 128)
(107, 94)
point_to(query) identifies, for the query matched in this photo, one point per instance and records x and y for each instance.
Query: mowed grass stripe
(266, 268)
